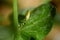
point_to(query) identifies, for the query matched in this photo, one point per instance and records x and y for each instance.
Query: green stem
(15, 17)
(15, 14)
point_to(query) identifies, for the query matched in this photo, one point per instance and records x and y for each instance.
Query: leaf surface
(39, 23)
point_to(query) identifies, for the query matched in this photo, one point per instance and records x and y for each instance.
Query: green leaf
(38, 25)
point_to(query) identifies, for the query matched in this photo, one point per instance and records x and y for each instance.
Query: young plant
(35, 24)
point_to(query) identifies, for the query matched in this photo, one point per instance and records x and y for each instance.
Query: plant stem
(15, 20)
